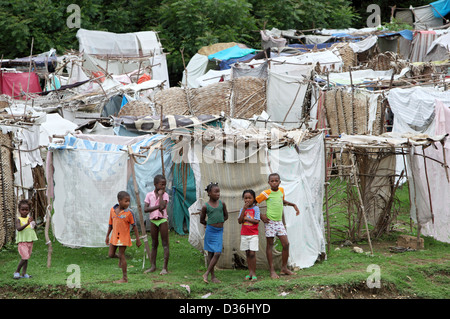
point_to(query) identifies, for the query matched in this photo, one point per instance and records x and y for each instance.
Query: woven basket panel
(7, 200)
(249, 96)
(211, 99)
(135, 108)
(172, 100)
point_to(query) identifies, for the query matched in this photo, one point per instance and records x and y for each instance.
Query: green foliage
(182, 24)
(396, 25)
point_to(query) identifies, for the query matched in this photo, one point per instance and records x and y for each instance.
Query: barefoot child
(120, 220)
(155, 204)
(216, 213)
(25, 237)
(274, 222)
(249, 218)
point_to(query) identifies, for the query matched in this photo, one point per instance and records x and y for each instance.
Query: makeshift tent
(431, 193)
(89, 167)
(41, 63)
(122, 53)
(133, 44)
(301, 167)
(207, 58)
(439, 49)
(425, 18)
(427, 116)
(420, 44)
(285, 97)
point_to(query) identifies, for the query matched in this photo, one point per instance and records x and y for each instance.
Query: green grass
(417, 274)
(414, 274)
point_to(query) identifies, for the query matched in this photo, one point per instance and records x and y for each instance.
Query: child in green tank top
(213, 215)
(25, 237)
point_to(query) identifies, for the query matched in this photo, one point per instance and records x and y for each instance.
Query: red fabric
(145, 77)
(99, 74)
(20, 83)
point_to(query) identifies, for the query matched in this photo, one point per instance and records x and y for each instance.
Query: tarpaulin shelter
(424, 111)
(85, 168)
(301, 168)
(122, 53)
(217, 56)
(439, 49)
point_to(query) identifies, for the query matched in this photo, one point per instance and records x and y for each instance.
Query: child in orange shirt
(120, 220)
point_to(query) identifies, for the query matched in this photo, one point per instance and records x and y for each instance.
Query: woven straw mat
(7, 200)
(135, 108)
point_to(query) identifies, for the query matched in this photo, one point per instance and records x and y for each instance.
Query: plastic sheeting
(302, 176)
(440, 8)
(16, 83)
(425, 18)
(122, 44)
(196, 67)
(434, 218)
(89, 171)
(285, 97)
(231, 53)
(363, 45)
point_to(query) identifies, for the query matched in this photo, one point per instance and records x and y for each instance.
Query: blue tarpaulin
(442, 7)
(231, 53)
(226, 64)
(407, 34)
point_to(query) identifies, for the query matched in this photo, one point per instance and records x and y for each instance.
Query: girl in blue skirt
(213, 215)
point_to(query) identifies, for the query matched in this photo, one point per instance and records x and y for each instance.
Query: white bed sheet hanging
(302, 177)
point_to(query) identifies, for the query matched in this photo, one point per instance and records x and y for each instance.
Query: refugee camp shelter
(242, 159)
(83, 168)
(123, 53)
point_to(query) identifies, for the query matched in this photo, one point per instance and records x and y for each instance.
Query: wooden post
(138, 201)
(326, 198)
(48, 242)
(161, 146)
(428, 184)
(355, 176)
(29, 75)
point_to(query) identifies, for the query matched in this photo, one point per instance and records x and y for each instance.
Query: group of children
(213, 216)
(214, 213)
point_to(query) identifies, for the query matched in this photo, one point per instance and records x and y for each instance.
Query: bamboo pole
(29, 75)
(428, 184)
(355, 176)
(326, 199)
(48, 242)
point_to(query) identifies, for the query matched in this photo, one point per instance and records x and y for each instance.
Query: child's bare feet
(205, 278)
(274, 275)
(152, 269)
(215, 280)
(287, 272)
(121, 281)
(164, 272)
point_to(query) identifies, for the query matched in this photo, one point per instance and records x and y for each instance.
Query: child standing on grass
(249, 218)
(274, 222)
(213, 215)
(156, 204)
(25, 236)
(120, 220)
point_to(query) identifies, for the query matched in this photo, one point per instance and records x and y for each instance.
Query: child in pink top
(156, 204)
